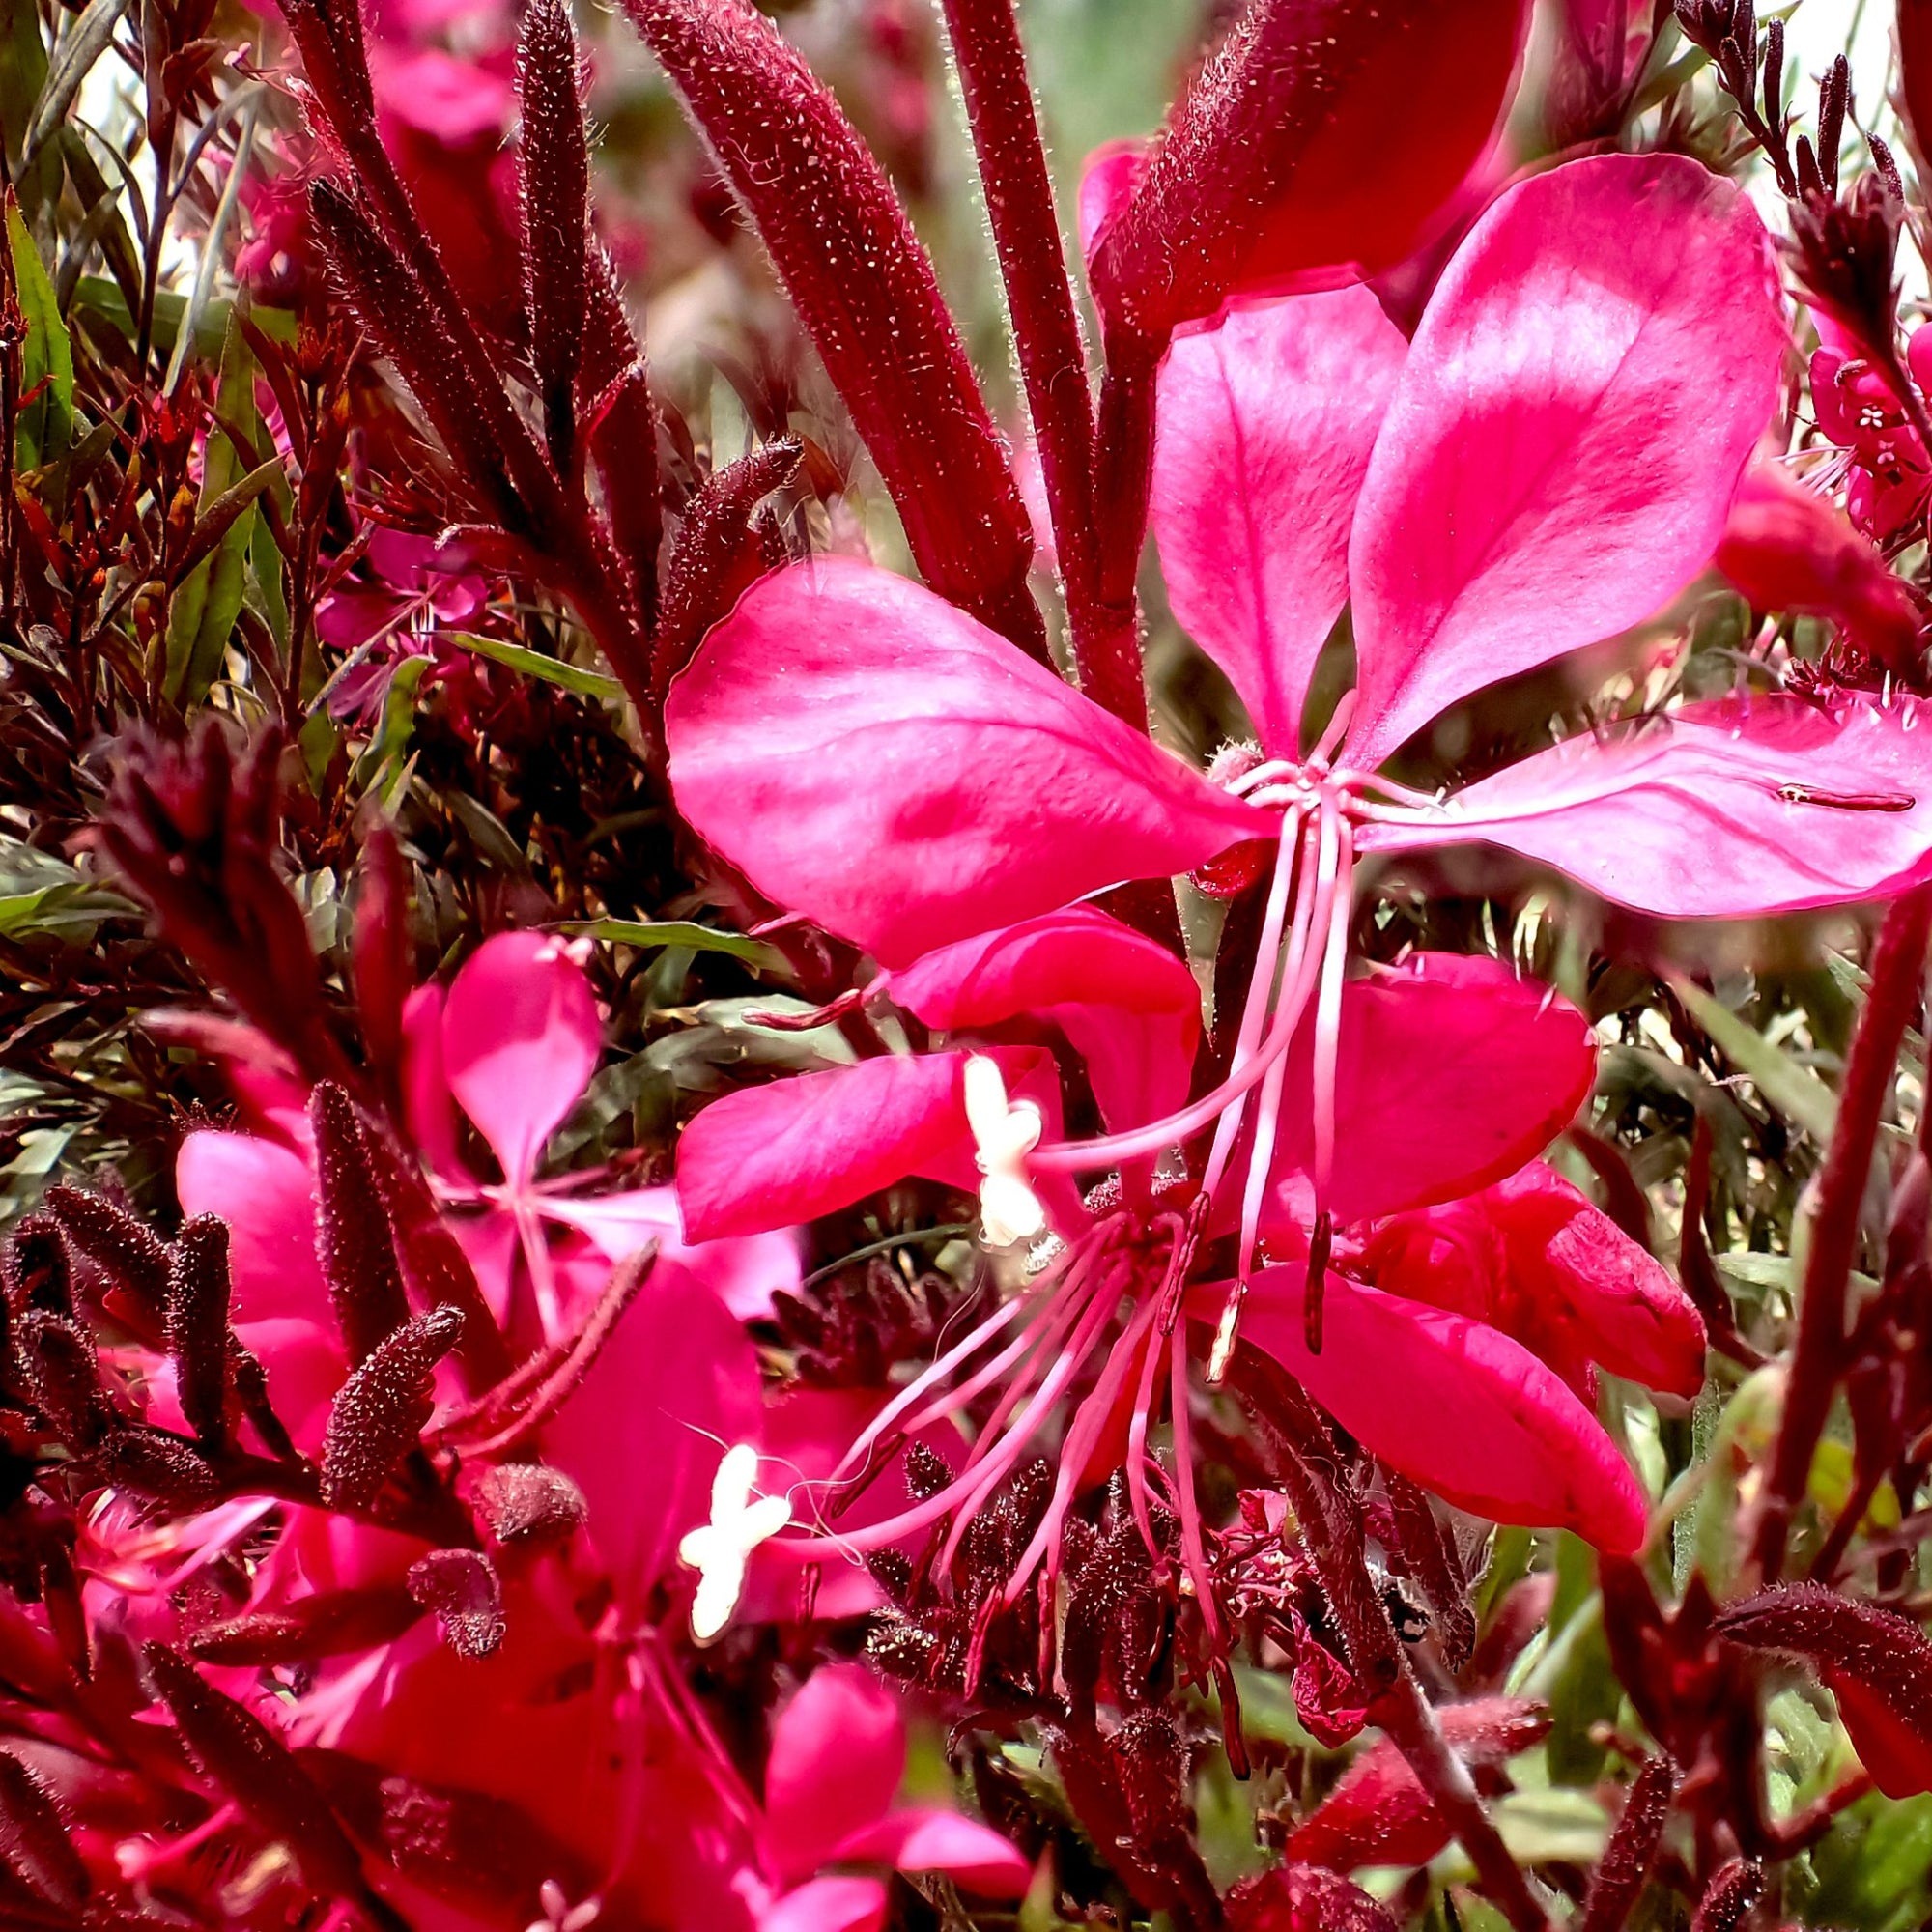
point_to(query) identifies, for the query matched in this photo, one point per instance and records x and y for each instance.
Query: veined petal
(1128, 1006)
(828, 1904)
(777, 1155)
(838, 1755)
(265, 1193)
(1451, 1404)
(970, 1854)
(870, 755)
(1536, 1257)
(1736, 809)
(1563, 446)
(676, 1381)
(1452, 1071)
(520, 1043)
(1264, 430)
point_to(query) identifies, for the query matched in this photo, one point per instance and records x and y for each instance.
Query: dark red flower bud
(866, 293)
(329, 1623)
(1323, 135)
(198, 1324)
(1626, 1858)
(35, 1268)
(1877, 1664)
(122, 1246)
(1304, 1898)
(235, 1748)
(461, 1587)
(33, 1841)
(555, 171)
(385, 952)
(352, 1237)
(378, 1416)
(64, 1378)
(526, 1504)
(1731, 1894)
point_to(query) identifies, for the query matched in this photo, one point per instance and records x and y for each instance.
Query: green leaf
(533, 664)
(676, 932)
(47, 361)
(1797, 1093)
(202, 614)
(23, 73)
(383, 758)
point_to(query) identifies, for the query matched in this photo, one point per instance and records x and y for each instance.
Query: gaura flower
(1535, 473)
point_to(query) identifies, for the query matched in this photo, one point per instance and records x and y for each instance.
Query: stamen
(1327, 1051)
(1004, 1133)
(1337, 730)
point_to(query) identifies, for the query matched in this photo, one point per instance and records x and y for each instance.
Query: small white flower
(721, 1548)
(1004, 1133)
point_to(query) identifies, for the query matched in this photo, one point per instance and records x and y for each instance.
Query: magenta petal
(1128, 1006)
(777, 1155)
(1563, 446)
(1739, 808)
(1452, 1073)
(1535, 1258)
(869, 754)
(265, 1193)
(642, 1436)
(743, 1274)
(837, 1755)
(428, 1108)
(520, 1041)
(1265, 426)
(1451, 1403)
(828, 1904)
(972, 1855)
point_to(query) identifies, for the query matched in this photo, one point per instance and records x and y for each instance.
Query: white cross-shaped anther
(720, 1549)
(1004, 1133)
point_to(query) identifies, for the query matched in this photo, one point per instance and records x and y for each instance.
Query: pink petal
(1128, 1005)
(429, 1108)
(744, 1273)
(1452, 1073)
(1451, 1404)
(1788, 548)
(642, 1436)
(837, 1755)
(1265, 425)
(1562, 449)
(452, 100)
(869, 754)
(1535, 1258)
(970, 1854)
(828, 1904)
(1739, 808)
(804, 1433)
(265, 1193)
(520, 1043)
(779, 1155)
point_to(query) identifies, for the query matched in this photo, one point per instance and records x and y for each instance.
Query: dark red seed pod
(1731, 1894)
(198, 1324)
(1628, 1857)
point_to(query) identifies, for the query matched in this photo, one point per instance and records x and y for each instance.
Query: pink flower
(1888, 474)
(1532, 474)
(836, 1760)
(420, 586)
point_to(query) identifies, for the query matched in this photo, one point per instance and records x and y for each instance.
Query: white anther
(1004, 1133)
(721, 1548)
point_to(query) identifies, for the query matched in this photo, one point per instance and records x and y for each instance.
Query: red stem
(1123, 481)
(1897, 993)
(1052, 357)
